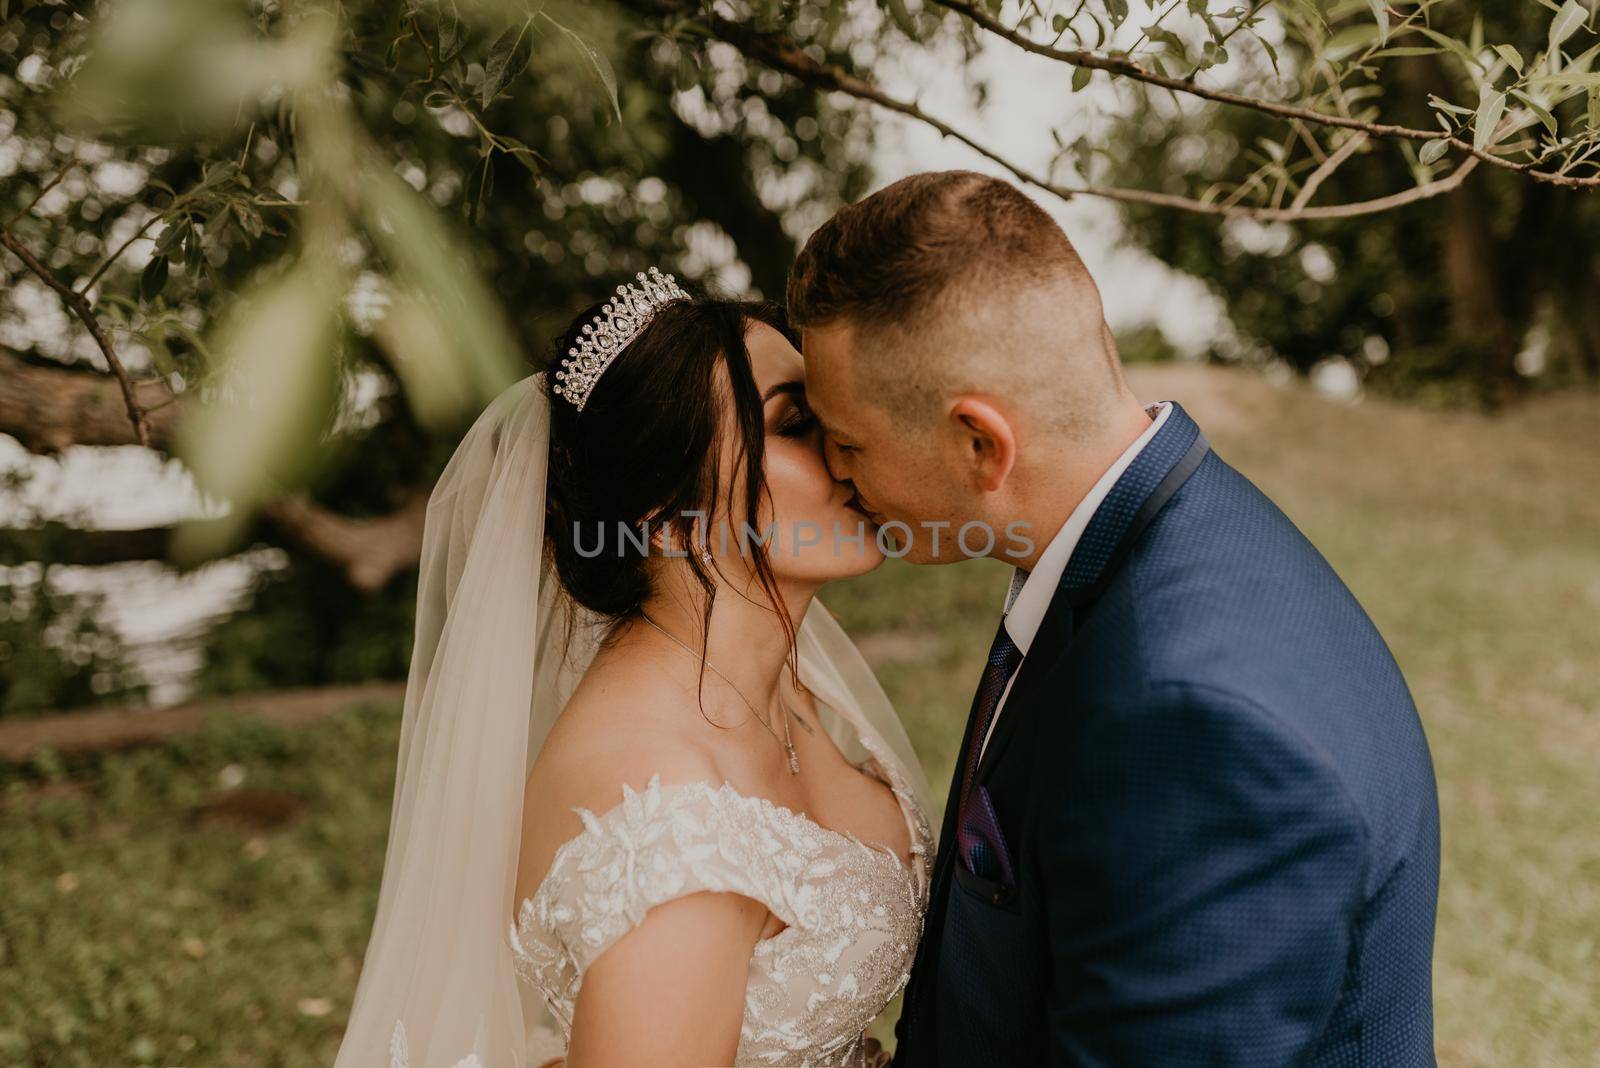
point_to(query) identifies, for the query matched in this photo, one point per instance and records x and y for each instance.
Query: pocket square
(983, 847)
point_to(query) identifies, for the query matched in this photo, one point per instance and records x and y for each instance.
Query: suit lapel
(1049, 646)
(1162, 466)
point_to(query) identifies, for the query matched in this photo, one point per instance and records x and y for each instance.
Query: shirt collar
(1031, 591)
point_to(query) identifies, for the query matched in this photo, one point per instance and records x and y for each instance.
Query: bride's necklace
(786, 741)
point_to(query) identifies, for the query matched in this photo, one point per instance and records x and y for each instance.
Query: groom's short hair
(889, 256)
(946, 277)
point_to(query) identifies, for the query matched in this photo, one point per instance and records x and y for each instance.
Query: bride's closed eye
(796, 421)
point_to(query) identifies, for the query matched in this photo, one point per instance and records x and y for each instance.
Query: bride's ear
(663, 540)
(988, 444)
(659, 539)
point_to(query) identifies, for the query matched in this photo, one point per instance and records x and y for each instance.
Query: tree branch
(1132, 70)
(57, 541)
(1329, 165)
(115, 256)
(79, 306)
(371, 549)
(47, 408)
(783, 54)
(66, 169)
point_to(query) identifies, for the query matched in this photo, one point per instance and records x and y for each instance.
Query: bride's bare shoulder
(621, 727)
(629, 718)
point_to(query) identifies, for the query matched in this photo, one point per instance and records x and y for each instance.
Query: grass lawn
(206, 902)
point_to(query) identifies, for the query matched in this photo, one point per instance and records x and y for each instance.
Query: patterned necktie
(975, 817)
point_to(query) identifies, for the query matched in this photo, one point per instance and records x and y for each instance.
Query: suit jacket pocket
(990, 892)
(988, 1011)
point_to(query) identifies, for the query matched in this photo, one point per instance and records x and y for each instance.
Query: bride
(645, 785)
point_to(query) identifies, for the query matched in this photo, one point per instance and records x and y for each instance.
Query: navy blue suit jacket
(1219, 803)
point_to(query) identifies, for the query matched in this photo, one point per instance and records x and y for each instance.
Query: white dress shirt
(1031, 591)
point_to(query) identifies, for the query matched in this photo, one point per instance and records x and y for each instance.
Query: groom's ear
(989, 447)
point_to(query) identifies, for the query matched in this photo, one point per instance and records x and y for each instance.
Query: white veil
(486, 683)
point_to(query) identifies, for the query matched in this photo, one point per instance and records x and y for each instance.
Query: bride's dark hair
(645, 449)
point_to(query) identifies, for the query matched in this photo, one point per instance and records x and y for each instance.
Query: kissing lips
(856, 504)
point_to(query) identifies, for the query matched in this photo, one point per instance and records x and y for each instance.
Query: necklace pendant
(794, 762)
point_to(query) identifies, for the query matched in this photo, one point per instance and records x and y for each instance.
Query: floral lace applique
(854, 911)
(400, 1053)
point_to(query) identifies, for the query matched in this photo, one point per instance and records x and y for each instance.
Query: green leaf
(260, 432)
(249, 218)
(1157, 32)
(1433, 151)
(1407, 50)
(214, 223)
(1080, 78)
(1451, 44)
(1099, 30)
(194, 259)
(1212, 54)
(1566, 23)
(216, 174)
(497, 68)
(1511, 56)
(1272, 53)
(1581, 81)
(485, 188)
(1491, 106)
(598, 63)
(1380, 11)
(903, 19)
(175, 232)
(1538, 109)
(1117, 10)
(1594, 109)
(522, 154)
(425, 253)
(1349, 40)
(154, 278)
(450, 39)
(686, 73)
(416, 335)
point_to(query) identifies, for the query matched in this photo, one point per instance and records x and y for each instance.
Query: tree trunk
(1477, 306)
(1479, 324)
(49, 407)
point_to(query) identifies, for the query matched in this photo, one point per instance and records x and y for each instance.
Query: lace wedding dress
(457, 973)
(854, 911)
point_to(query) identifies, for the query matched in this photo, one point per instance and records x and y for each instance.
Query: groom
(1193, 819)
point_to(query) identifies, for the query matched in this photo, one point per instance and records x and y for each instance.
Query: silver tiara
(618, 323)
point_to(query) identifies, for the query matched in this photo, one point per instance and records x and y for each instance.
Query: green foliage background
(1432, 303)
